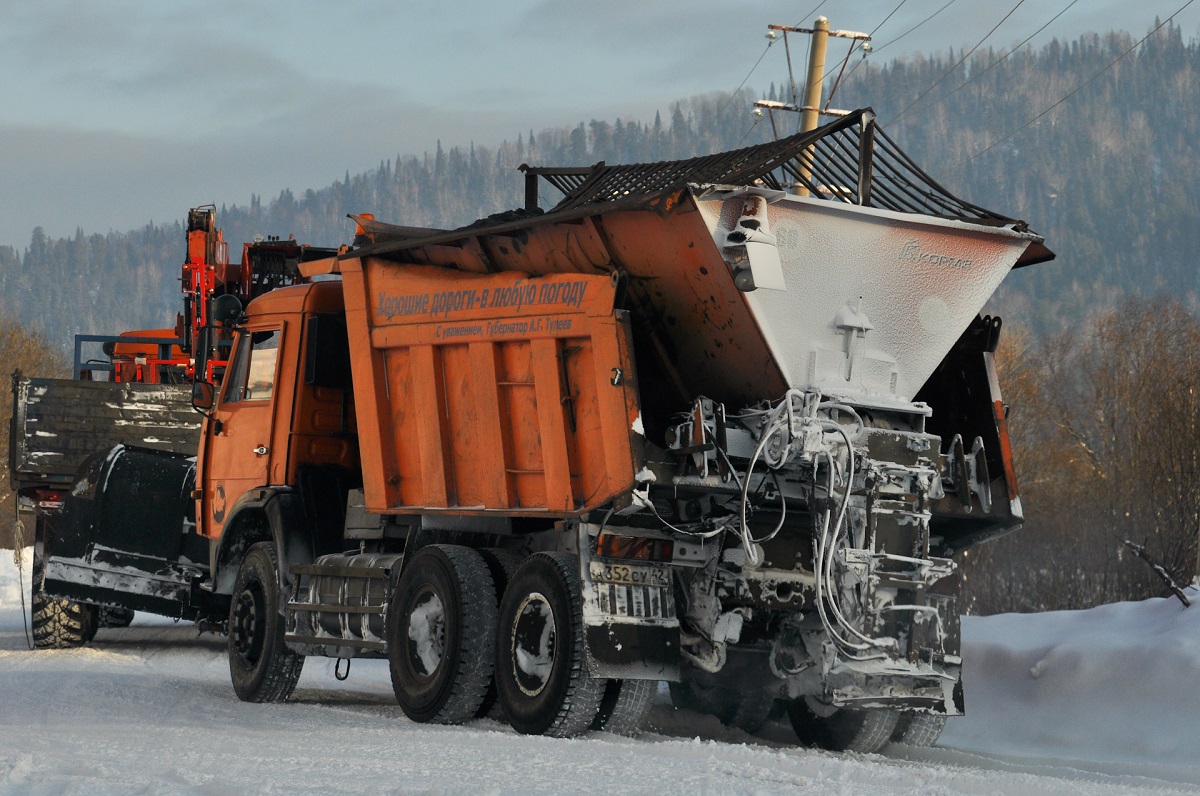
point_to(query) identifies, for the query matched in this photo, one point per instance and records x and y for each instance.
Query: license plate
(629, 575)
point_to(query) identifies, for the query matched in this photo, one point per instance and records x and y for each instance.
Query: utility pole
(810, 112)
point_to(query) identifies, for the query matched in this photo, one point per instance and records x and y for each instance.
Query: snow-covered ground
(1089, 702)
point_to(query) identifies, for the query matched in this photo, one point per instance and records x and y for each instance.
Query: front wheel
(541, 669)
(58, 623)
(261, 667)
(442, 634)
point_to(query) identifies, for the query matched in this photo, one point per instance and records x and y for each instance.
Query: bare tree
(1106, 437)
(24, 351)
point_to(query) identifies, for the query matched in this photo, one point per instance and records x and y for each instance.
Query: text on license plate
(634, 576)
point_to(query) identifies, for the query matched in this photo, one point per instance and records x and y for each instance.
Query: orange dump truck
(687, 426)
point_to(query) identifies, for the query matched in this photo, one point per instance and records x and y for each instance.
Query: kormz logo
(911, 253)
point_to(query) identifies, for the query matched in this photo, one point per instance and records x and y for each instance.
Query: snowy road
(149, 708)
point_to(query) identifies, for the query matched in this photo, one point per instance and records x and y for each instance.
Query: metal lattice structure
(850, 160)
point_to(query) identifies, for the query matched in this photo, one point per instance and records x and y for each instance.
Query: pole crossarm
(840, 34)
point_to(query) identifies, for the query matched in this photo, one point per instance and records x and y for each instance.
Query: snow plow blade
(123, 535)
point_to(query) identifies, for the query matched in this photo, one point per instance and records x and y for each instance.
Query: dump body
(904, 286)
(490, 392)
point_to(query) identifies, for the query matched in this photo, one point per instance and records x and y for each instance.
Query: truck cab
(281, 437)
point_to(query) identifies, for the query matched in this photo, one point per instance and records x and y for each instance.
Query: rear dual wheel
(108, 616)
(850, 730)
(541, 674)
(454, 653)
(842, 729)
(918, 729)
(625, 705)
(441, 633)
(502, 564)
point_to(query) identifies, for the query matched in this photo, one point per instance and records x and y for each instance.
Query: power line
(951, 70)
(889, 16)
(810, 13)
(856, 44)
(898, 38)
(747, 77)
(1078, 88)
(1002, 58)
(914, 27)
(746, 135)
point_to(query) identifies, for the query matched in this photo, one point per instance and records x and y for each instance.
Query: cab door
(238, 452)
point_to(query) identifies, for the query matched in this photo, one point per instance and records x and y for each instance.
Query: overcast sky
(117, 113)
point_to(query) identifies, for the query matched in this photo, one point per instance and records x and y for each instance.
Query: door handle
(261, 450)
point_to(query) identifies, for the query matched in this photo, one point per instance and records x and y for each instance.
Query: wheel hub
(426, 633)
(533, 644)
(245, 630)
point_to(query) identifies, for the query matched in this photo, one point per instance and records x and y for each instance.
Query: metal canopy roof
(850, 160)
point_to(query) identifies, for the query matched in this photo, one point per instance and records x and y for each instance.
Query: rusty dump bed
(726, 287)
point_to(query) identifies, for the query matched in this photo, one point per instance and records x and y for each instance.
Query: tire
(61, 624)
(746, 711)
(442, 634)
(261, 667)
(58, 624)
(918, 729)
(625, 705)
(114, 617)
(502, 564)
(93, 622)
(541, 668)
(845, 730)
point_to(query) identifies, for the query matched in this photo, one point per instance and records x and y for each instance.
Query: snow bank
(10, 587)
(1116, 683)
(149, 709)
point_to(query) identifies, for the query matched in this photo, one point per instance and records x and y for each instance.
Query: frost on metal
(869, 300)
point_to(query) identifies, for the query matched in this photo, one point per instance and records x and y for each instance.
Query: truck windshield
(251, 377)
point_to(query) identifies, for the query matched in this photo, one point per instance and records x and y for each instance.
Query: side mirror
(204, 396)
(225, 310)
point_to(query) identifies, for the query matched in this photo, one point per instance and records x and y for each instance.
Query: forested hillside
(1110, 177)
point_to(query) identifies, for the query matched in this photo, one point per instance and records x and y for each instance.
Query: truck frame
(686, 426)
